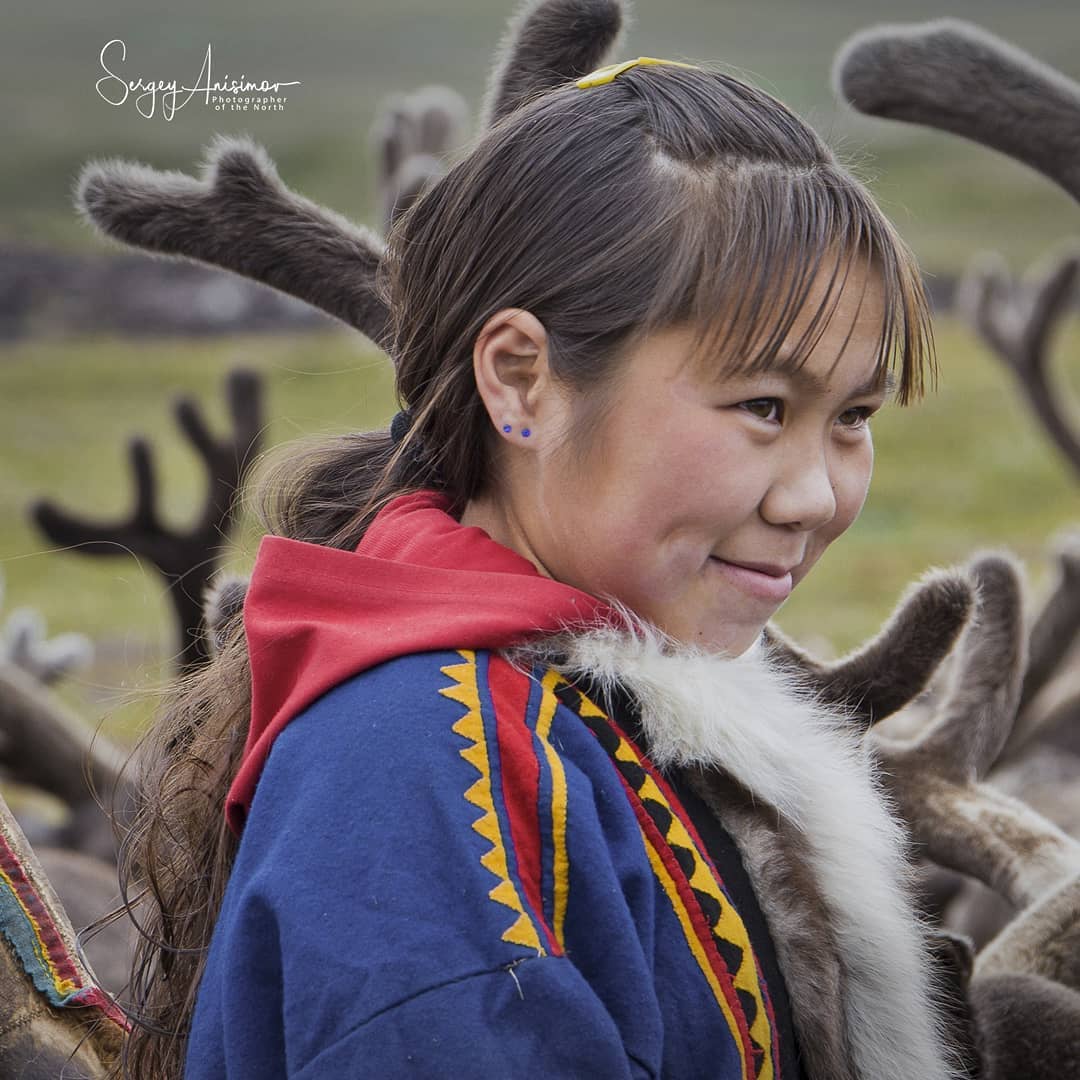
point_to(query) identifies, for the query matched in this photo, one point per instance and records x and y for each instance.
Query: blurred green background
(966, 469)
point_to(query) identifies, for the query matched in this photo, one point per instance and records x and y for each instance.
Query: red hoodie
(418, 581)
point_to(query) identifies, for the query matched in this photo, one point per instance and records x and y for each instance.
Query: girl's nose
(801, 493)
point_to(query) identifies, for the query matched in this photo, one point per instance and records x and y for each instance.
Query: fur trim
(799, 921)
(809, 766)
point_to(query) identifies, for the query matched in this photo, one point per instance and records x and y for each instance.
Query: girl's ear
(510, 363)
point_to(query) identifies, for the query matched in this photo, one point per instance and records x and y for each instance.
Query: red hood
(418, 581)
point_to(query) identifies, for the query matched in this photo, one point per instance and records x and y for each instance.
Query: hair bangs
(752, 245)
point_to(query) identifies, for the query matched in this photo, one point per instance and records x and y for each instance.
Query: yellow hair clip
(608, 74)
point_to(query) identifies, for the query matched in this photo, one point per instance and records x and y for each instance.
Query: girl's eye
(862, 414)
(765, 404)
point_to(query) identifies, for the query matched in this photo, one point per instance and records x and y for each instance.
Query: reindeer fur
(1029, 1027)
(798, 917)
(1043, 942)
(223, 603)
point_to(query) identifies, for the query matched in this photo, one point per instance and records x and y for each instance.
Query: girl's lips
(754, 582)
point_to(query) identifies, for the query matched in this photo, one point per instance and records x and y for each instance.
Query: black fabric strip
(623, 709)
(728, 862)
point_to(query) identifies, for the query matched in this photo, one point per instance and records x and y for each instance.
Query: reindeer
(1016, 1005)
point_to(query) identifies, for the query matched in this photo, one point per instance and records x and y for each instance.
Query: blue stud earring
(525, 432)
(507, 428)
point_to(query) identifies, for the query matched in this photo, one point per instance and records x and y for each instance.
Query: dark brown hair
(667, 196)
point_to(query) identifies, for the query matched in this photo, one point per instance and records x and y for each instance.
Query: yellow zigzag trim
(695, 946)
(471, 727)
(730, 926)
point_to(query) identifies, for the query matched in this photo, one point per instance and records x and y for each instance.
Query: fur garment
(794, 785)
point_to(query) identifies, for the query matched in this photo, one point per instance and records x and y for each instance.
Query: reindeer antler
(548, 43)
(955, 77)
(186, 559)
(1016, 319)
(240, 216)
(960, 823)
(1025, 986)
(887, 672)
(44, 744)
(1058, 622)
(411, 134)
(1025, 981)
(1053, 633)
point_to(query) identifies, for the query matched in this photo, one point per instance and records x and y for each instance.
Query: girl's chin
(719, 635)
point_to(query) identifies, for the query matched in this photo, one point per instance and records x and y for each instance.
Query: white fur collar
(746, 716)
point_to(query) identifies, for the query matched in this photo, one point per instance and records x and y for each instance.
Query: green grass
(966, 469)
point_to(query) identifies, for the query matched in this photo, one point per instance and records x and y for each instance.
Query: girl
(511, 786)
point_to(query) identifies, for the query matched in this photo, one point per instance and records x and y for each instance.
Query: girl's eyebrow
(797, 373)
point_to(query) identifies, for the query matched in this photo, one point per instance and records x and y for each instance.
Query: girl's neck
(484, 513)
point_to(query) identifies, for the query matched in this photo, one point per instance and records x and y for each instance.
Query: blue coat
(451, 868)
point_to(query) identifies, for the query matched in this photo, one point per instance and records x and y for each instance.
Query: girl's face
(688, 479)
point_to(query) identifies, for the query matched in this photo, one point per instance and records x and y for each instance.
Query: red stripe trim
(695, 914)
(676, 806)
(53, 943)
(95, 997)
(46, 931)
(774, 1034)
(520, 773)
